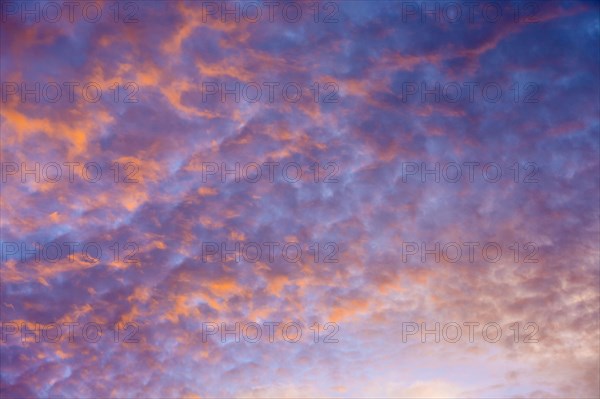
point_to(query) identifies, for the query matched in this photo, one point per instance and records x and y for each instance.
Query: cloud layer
(359, 117)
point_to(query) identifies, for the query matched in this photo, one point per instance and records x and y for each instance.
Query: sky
(209, 199)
